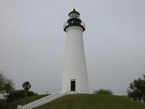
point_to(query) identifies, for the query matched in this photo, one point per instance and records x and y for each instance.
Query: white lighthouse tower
(74, 73)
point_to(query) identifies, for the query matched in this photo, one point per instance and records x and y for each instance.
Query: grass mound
(28, 99)
(94, 101)
(24, 101)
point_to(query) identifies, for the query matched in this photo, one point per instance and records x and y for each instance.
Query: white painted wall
(74, 61)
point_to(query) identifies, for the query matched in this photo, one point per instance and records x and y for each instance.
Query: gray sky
(32, 42)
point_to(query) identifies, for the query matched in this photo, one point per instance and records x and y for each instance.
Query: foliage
(26, 85)
(6, 85)
(2, 101)
(95, 92)
(103, 91)
(8, 106)
(18, 94)
(136, 89)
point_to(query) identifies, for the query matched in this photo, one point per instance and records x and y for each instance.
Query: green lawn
(24, 101)
(84, 101)
(28, 99)
(94, 101)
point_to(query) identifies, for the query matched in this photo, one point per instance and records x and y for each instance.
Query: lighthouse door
(73, 85)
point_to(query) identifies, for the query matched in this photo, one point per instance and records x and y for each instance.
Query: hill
(24, 101)
(28, 99)
(83, 101)
(93, 101)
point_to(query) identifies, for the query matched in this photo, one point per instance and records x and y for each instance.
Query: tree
(103, 91)
(6, 85)
(8, 88)
(19, 94)
(2, 82)
(26, 85)
(136, 89)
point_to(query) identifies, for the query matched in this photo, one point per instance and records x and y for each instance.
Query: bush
(95, 92)
(2, 101)
(18, 94)
(102, 91)
(8, 106)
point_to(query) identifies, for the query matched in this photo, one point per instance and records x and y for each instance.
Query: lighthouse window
(74, 15)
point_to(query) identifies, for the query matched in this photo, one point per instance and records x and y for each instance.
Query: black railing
(67, 24)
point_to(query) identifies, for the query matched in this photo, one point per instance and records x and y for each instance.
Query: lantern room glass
(74, 15)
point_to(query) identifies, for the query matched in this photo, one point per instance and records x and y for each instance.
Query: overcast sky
(32, 42)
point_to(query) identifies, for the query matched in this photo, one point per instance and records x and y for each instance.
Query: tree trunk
(25, 94)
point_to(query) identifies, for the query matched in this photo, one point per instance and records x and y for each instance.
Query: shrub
(102, 91)
(95, 92)
(8, 106)
(18, 94)
(2, 101)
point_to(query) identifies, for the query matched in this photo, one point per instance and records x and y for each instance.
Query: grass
(28, 99)
(24, 101)
(83, 101)
(94, 101)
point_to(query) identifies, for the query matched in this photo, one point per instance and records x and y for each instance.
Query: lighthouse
(75, 77)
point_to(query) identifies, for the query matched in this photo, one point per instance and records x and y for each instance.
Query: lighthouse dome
(74, 14)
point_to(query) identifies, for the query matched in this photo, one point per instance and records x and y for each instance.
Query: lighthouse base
(75, 92)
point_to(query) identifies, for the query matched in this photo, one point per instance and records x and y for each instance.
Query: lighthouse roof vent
(74, 11)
